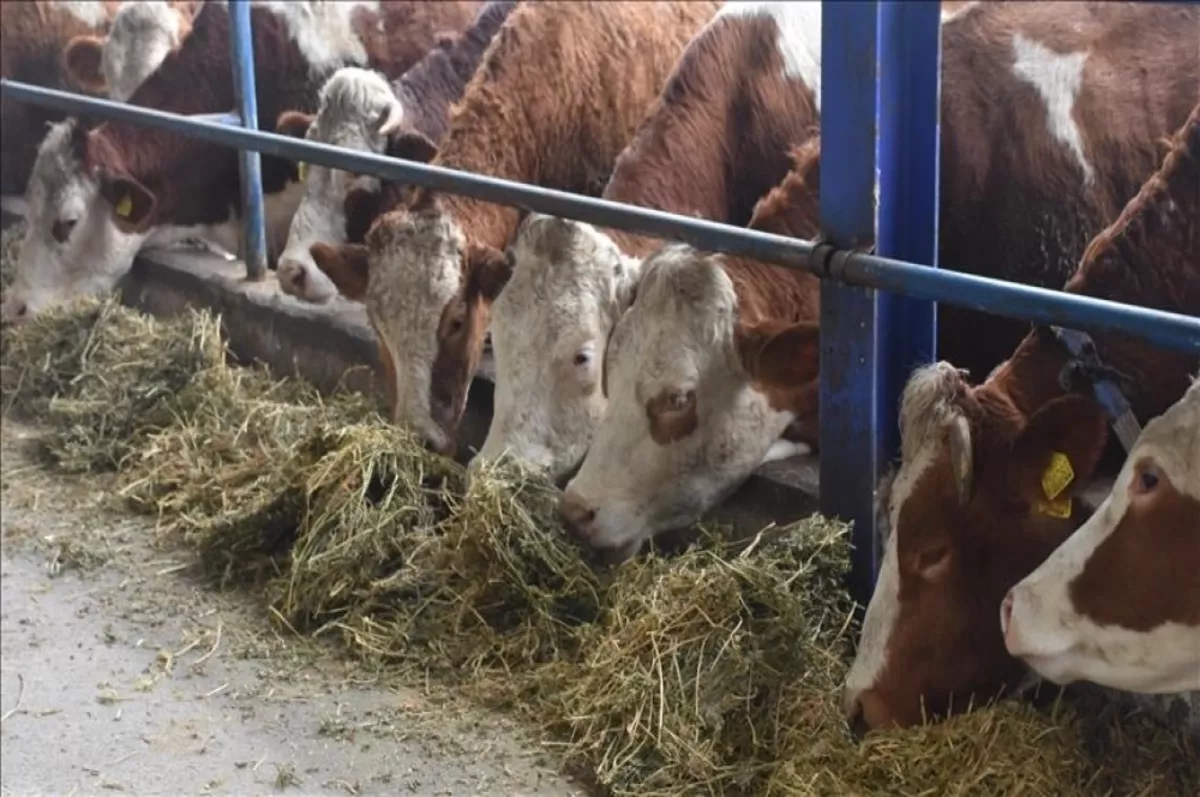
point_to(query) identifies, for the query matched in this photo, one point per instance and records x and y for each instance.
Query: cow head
(1118, 603)
(357, 111)
(427, 293)
(550, 328)
(688, 417)
(141, 37)
(981, 497)
(64, 220)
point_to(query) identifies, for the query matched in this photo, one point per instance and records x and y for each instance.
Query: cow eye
(62, 230)
(582, 358)
(1147, 480)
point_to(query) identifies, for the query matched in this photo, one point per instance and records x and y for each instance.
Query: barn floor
(121, 672)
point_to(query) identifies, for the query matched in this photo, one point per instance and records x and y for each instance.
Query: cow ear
(293, 123)
(133, 204)
(779, 354)
(346, 267)
(82, 60)
(1060, 446)
(411, 146)
(490, 269)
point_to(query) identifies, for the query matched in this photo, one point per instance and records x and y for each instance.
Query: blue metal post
(909, 110)
(254, 242)
(850, 445)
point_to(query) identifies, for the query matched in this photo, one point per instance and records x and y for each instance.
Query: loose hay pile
(713, 672)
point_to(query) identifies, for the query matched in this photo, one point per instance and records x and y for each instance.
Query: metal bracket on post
(254, 244)
(909, 139)
(849, 451)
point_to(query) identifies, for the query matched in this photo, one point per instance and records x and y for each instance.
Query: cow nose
(445, 447)
(855, 718)
(576, 515)
(14, 310)
(292, 276)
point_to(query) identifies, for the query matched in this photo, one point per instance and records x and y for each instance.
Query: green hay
(717, 671)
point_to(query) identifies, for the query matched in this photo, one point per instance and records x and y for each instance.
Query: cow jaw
(550, 329)
(683, 427)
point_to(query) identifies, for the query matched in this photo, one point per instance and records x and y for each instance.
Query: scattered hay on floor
(717, 671)
(10, 245)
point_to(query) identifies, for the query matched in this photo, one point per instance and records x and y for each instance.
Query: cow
(136, 182)
(32, 37)
(359, 110)
(756, 63)
(141, 35)
(559, 94)
(1118, 603)
(673, 443)
(990, 476)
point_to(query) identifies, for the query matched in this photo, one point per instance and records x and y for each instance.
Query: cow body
(558, 96)
(140, 184)
(32, 37)
(360, 110)
(715, 141)
(994, 179)
(990, 476)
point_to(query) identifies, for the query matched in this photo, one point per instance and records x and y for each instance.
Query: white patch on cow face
(141, 37)
(924, 412)
(550, 328)
(677, 337)
(92, 13)
(1046, 630)
(324, 32)
(1057, 78)
(799, 26)
(354, 104)
(415, 271)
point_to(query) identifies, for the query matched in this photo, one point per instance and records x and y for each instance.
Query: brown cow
(990, 476)
(144, 182)
(32, 38)
(360, 110)
(1002, 213)
(558, 96)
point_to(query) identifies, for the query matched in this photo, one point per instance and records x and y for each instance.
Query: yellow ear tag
(1057, 476)
(125, 206)
(1060, 508)
(301, 170)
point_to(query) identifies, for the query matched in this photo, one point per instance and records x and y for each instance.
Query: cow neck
(772, 292)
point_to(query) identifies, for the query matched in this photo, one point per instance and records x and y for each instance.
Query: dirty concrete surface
(123, 673)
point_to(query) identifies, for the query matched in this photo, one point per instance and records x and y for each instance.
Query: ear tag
(1060, 508)
(125, 206)
(301, 170)
(1057, 476)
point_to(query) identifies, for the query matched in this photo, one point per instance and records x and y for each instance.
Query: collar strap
(1084, 368)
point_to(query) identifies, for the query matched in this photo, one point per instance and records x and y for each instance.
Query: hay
(10, 244)
(716, 671)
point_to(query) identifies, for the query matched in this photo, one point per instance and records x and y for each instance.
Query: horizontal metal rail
(997, 297)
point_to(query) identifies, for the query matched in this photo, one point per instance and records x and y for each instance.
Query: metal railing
(877, 318)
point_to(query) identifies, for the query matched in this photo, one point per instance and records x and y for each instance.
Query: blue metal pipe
(1011, 300)
(909, 135)
(851, 459)
(241, 43)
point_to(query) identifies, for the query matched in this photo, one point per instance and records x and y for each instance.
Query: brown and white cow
(559, 94)
(990, 476)
(32, 37)
(359, 110)
(141, 35)
(1118, 603)
(1005, 165)
(139, 182)
(746, 88)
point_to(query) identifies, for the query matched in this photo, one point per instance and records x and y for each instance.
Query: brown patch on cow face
(82, 61)
(346, 266)
(1143, 574)
(672, 415)
(461, 332)
(958, 555)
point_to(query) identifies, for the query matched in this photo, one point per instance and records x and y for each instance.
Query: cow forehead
(58, 183)
(352, 97)
(415, 266)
